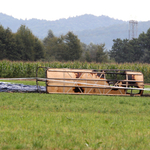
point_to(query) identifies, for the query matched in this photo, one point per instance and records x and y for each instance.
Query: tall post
(133, 29)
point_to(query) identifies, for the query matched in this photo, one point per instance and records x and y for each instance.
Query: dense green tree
(101, 55)
(147, 40)
(30, 46)
(73, 48)
(96, 53)
(11, 46)
(144, 40)
(145, 57)
(2, 43)
(48, 37)
(27, 40)
(62, 48)
(92, 48)
(51, 48)
(87, 56)
(135, 50)
(122, 51)
(38, 50)
(20, 48)
(7, 44)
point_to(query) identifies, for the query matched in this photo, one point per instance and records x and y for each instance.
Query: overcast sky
(56, 9)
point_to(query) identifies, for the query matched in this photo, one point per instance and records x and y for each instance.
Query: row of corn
(9, 69)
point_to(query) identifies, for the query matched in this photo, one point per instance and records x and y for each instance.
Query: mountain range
(88, 28)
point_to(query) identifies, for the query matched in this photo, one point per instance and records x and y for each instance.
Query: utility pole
(133, 29)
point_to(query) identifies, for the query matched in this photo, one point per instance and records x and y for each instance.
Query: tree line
(135, 50)
(23, 45)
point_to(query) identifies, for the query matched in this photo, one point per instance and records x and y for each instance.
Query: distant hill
(89, 28)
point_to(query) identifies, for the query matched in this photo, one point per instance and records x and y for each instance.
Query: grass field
(25, 82)
(51, 121)
(33, 121)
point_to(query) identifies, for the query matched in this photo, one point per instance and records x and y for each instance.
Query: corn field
(19, 69)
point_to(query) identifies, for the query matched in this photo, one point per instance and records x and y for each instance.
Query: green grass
(147, 86)
(52, 121)
(25, 82)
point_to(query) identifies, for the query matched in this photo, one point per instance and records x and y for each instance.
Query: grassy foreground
(50, 121)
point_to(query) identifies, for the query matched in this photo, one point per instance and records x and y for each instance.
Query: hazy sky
(57, 9)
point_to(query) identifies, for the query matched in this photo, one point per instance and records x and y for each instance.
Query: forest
(25, 46)
(135, 50)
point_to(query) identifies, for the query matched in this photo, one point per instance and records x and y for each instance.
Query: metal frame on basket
(80, 83)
